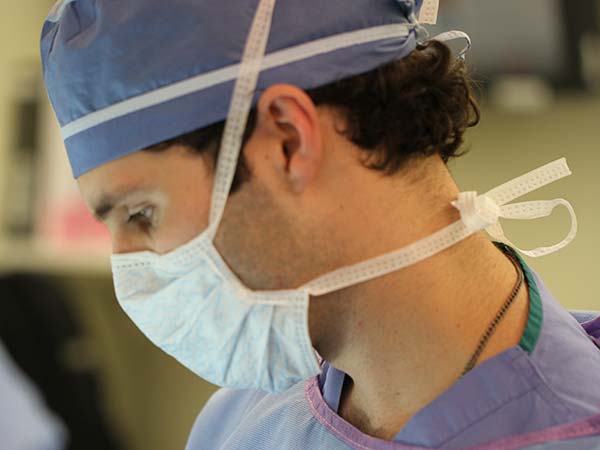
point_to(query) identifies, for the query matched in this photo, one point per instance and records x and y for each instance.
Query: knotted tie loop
(483, 212)
(477, 212)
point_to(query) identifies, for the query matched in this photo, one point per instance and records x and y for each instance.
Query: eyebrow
(104, 208)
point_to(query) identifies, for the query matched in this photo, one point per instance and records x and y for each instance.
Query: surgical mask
(190, 303)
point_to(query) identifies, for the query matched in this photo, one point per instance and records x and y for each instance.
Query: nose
(123, 242)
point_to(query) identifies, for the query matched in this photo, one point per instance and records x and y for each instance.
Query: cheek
(185, 218)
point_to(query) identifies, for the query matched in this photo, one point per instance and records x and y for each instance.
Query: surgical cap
(125, 75)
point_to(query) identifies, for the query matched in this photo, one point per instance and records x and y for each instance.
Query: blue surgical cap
(125, 75)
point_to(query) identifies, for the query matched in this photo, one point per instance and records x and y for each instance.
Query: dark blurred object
(20, 176)
(40, 333)
(582, 19)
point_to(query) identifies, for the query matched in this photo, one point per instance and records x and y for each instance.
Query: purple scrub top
(543, 393)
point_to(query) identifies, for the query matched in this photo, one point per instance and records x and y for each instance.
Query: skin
(310, 207)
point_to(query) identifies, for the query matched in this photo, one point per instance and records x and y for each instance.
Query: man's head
(302, 152)
(344, 154)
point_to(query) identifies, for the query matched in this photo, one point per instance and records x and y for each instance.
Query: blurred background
(538, 64)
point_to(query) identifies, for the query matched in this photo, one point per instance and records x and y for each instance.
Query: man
(329, 189)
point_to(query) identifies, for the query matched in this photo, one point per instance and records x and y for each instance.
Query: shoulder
(237, 419)
(220, 417)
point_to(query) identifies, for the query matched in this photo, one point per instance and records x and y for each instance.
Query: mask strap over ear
(239, 110)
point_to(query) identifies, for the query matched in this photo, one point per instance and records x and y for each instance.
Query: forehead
(119, 175)
(169, 169)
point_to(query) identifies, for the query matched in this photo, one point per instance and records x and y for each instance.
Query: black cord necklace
(490, 331)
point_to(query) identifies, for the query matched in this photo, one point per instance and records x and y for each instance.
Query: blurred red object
(69, 226)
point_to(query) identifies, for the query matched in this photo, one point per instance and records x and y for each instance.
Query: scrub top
(543, 393)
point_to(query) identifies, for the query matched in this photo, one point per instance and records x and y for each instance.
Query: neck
(405, 338)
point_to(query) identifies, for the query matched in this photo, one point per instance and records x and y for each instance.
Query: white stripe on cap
(215, 77)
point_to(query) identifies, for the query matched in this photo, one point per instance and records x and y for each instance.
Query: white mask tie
(477, 213)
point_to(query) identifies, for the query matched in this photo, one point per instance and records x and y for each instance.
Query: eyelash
(141, 218)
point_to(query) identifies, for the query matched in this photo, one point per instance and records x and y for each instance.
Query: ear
(289, 115)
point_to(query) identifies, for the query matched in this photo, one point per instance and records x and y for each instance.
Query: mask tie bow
(483, 212)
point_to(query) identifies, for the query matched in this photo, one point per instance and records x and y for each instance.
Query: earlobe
(295, 121)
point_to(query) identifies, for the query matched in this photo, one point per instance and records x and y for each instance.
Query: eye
(144, 215)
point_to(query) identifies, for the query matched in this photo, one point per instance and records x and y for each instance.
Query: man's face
(152, 201)
(272, 233)
(158, 201)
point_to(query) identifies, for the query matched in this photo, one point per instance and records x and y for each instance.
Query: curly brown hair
(420, 105)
